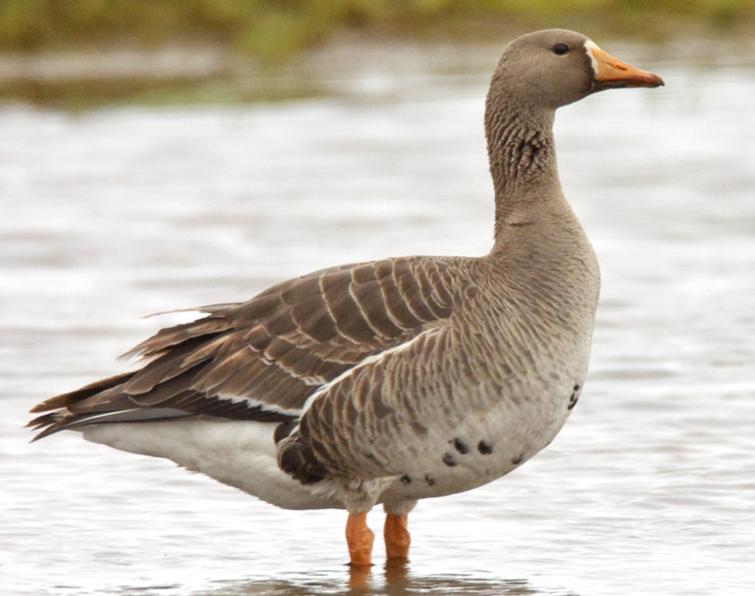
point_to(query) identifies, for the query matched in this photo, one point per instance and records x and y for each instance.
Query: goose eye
(560, 49)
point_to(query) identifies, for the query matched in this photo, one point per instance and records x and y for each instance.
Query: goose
(395, 380)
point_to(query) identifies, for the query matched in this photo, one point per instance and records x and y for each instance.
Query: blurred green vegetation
(270, 33)
(272, 30)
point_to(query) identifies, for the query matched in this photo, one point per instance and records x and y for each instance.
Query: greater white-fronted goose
(394, 380)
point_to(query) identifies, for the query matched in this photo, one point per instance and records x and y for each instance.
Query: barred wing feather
(262, 359)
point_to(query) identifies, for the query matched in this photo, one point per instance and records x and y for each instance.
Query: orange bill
(612, 72)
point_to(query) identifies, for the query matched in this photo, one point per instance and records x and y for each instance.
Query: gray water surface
(111, 214)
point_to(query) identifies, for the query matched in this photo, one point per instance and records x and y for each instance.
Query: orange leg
(359, 538)
(397, 538)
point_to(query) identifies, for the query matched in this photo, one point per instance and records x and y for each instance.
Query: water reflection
(391, 579)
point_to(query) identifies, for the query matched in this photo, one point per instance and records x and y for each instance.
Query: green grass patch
(273, 30)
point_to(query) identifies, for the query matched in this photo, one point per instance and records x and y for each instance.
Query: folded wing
(261, 360)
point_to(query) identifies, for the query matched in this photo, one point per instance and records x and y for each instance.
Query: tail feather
(109, 400)
(49, 430)
(61, 420)
(43, 420)
(72, 397)
(171, 337)
(163, 388)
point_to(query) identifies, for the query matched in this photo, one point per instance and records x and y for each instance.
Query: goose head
(555, 67)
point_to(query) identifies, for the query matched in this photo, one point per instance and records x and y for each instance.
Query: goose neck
(522, 158)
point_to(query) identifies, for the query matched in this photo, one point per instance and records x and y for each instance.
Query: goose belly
(484, 447)
(241, 454)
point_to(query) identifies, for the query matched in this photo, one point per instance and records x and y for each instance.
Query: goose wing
(262, 359)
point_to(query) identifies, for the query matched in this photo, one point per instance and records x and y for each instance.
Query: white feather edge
(255, 403)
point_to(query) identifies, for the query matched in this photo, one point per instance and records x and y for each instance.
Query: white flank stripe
(254, 403)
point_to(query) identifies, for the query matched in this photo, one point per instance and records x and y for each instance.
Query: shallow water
(111, 214)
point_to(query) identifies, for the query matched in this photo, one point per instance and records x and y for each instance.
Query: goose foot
(397, 537)
(359, 539)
